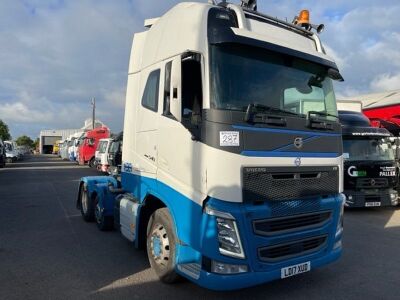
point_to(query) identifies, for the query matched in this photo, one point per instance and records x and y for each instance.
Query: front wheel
(161, 245)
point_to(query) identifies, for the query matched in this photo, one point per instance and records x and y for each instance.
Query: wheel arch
(149, 205)
(93, 186)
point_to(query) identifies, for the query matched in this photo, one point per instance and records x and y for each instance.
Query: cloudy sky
(57, 54)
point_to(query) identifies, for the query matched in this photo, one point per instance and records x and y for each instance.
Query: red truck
(87, 148)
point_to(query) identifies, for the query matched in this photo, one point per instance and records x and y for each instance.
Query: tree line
(23, 140)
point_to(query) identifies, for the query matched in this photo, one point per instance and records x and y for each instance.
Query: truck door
(147, 122)
(180, 163)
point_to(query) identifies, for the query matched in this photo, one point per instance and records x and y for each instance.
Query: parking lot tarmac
(48, 252)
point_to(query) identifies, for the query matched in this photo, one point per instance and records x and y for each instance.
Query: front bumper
(259, 270)
(239, 281)
(387, 197)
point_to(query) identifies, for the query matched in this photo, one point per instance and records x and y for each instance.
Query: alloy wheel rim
(159, 245)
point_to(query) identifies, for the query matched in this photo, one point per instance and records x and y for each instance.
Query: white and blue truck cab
(232, 156)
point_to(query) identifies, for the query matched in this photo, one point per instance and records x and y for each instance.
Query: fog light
(221, 268)
(394, 199)
(337, 245)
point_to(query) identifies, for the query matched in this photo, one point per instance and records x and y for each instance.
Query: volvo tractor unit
(232, 156)
(370, 176)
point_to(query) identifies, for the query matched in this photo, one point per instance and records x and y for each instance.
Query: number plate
(372, 204)
(296, 269)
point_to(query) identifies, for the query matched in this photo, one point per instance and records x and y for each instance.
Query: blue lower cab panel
(198, 236)
(239, 281)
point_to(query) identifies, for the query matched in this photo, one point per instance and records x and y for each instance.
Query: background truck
(115, 155)
(232, 155)
(76, 139)
(11, 152)
(370, 175)
(102, 163)
(56, 147)
(89, 144)
(64, 149)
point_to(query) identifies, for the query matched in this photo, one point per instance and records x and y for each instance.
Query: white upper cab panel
(184, 28)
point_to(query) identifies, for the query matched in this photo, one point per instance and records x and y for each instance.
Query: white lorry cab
(232, 155)
(76, 139)
(101, 154)
(64, 150)
(11, 151)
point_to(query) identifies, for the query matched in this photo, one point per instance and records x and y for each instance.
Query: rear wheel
(9, 160)
(86, 204)
(161, 245)
(104, 223)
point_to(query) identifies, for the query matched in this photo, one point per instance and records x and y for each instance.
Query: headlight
(228, 234)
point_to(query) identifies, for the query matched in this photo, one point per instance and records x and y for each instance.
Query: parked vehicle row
(10, 152)
(82, 147)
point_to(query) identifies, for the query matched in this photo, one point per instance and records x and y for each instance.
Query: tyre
(92, 162)
(161, 245)
(104, 223)
(86, 204)
(9, 160)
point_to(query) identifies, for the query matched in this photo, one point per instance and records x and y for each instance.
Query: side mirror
(176, 89)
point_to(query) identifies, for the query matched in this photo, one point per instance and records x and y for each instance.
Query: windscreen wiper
(321, 113)
(253, 108)
(318, 123)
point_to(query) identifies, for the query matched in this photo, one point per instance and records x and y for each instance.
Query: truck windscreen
(374, 149)
(242, 75)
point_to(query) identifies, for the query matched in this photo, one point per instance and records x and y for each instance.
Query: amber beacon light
(304, 17)
(303, 20)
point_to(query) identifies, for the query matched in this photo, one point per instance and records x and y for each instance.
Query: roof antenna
(249, 4)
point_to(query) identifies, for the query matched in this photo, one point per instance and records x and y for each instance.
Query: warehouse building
(47, 138)
(383, 109)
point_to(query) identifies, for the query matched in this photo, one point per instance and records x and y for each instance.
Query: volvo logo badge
(298, 142)
(297, 162)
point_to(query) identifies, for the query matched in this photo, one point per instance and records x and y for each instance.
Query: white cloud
(19, 112)
(386, 82)
(56, 55)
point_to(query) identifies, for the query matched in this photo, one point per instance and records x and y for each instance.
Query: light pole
(93, 112)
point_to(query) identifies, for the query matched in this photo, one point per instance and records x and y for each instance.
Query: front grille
(268, 227)
(262, 183)
(372, 183)
(292, 249)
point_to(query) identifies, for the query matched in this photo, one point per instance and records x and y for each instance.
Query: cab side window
(150, 94)
(167, 87)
